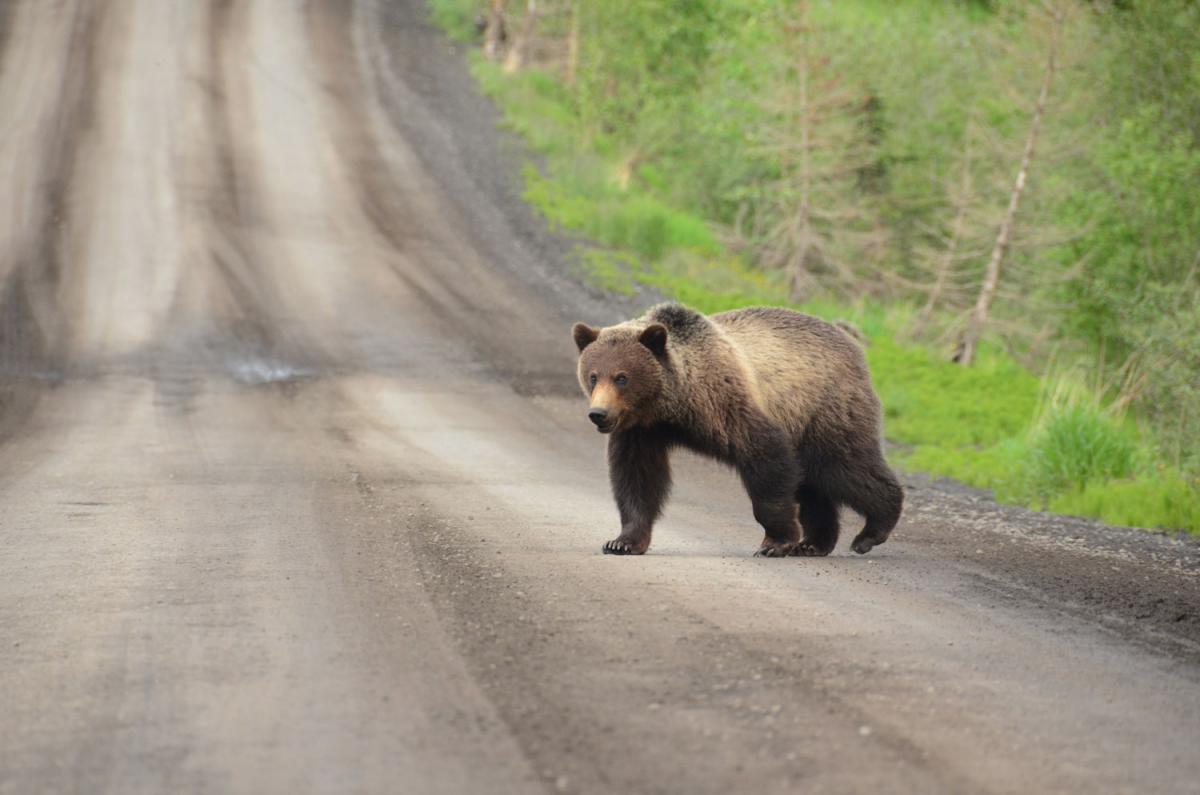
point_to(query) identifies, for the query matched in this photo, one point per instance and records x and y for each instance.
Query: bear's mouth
(609, 425)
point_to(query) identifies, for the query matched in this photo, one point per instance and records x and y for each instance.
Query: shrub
(456, 17)
(1078, 445)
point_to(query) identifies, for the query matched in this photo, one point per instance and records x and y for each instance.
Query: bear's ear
(584, 335)
(655, 338)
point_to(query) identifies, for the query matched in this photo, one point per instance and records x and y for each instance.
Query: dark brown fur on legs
(819, 518)
(770, 472)
(640, 473)
(860, 479)
(881, 504)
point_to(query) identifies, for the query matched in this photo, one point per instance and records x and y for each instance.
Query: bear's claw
(776, 549)
(620, 546)
(806, 550)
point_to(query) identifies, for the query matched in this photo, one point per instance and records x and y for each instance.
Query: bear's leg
(819, 518)
(879, 498)
(640, 473)
(771, 473)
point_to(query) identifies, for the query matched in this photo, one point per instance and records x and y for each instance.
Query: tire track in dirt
(504, 320)
(43, 142)
(258, 340)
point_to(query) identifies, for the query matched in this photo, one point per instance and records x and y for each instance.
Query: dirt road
(297, 495)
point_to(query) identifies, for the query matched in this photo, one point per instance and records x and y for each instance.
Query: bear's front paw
(625, 546)
(808, 550)
(776, 549)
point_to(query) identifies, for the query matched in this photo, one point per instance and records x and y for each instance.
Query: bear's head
(621, 371)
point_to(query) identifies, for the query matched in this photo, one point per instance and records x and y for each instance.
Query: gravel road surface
(297, 494)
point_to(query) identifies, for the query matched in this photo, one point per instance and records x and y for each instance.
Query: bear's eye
(621, 380)
(592, 379)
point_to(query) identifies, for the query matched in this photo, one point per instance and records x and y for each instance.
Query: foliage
(455, 17)
(1077, 445)
(1162, 499)
(1153, 62)
(536, 106)
(638, 222)
(670, 150)
(1139, 302)
(927, 399)
(641, 64)
(607, 270)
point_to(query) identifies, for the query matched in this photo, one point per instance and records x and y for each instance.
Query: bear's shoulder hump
(681, 322)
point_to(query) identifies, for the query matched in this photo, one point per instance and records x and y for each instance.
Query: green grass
(455, 17)
(1040, 442)
(1077, 445)
(1164, 499)
(960, 407)
(627, 221)
(534, 104)
(607, 270)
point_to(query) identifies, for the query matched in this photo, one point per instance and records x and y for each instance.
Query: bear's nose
(598, 415)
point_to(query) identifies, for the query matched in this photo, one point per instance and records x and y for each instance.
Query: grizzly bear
(782, 397)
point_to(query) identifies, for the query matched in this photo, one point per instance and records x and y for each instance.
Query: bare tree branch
(965, 355)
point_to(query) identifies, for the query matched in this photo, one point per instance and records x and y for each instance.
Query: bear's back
(799, 365)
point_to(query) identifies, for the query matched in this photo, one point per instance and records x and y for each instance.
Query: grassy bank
(1048, 442)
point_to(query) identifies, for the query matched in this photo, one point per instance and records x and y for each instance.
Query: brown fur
(783, 397)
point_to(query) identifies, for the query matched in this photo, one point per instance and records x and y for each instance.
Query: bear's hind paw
(865, 542)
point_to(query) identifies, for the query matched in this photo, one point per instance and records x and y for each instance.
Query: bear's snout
(599, 417)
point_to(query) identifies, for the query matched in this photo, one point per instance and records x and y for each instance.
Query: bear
(783, 397)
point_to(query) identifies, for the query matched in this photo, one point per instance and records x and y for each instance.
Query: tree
(517, 53)
(571, 76)
(1136, 301)
(640, 67)
(816, 132)
(949, 255)
(965, 355)
(495, 32)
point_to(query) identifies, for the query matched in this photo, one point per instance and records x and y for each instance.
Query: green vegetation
(856, 159)
(456, 18)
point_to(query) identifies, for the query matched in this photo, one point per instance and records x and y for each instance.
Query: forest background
(1004, 197)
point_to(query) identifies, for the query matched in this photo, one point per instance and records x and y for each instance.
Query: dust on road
(297, 495)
